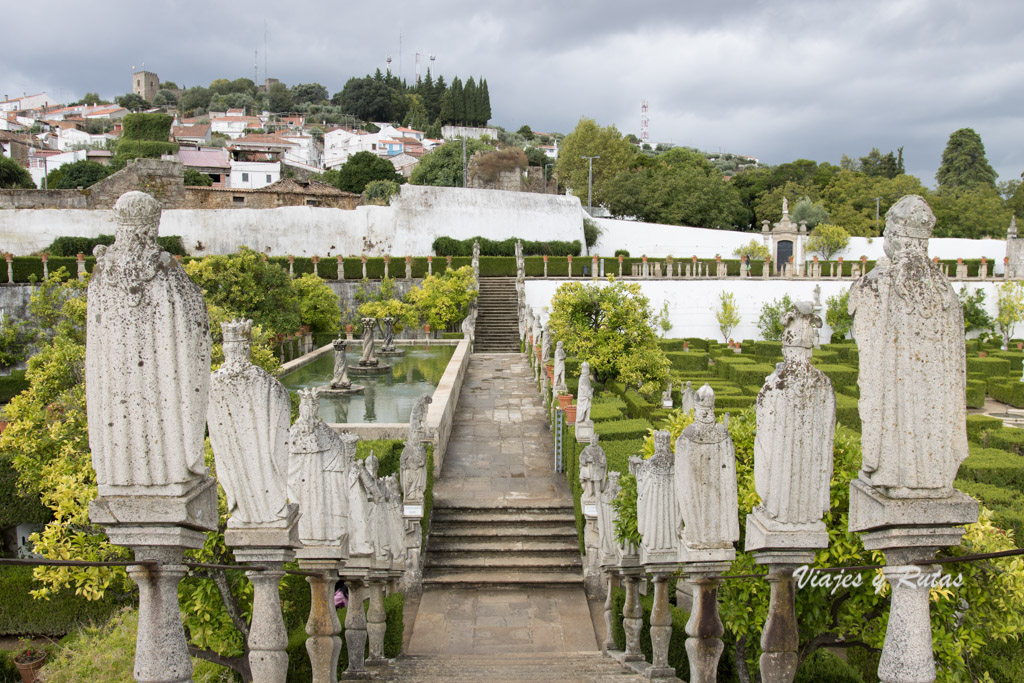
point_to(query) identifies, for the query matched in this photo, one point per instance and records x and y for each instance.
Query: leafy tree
(755, 249)
(91, 99)
(194, 178)
(309, 93)
(828, 240)
(318, 304)
(368, 98)
(877, 164)
(458, 101)
(768, 205)
(837, 315)
(416, 114)
(964, 162)
(165, 98)
(1010, 309)
(850, 200)
(973, 211)
(195, 98)
(132, 102)
(770, 322)
(362, 168)
(525, 131)
(536, 157)
(380, 192)
(1015, 201)
(610, 325)
(809, 212)
(975, 315)
(385, 301)
(279, 99)
(14, 175)
(78, 174)
(727, 314)
(484, 113)
(443, 166)
(443, 299)
(588, 139)
(471, 95)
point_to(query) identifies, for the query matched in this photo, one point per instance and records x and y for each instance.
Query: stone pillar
(375, 622)
(81, 266)
(430, 265)
(609, 612)
(570, 266)
(161, 651)
(341, 268)
(620, 265)
(632, 616)
(10, 266)
(387, 264)
(363, 259)
(780, 637)
(291, 266)
(355, 627)
(268, 639)
(592, 577)
(46, 266)
(705, 630)
(316, 265)
(545, 265)
(661, 629)
(408, 267)
(323, 627)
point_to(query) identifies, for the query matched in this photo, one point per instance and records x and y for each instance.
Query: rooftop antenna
(255, 66)
(265, 71)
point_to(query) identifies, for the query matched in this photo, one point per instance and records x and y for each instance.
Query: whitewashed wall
(663, 240)
(408, 227)
(692, 303)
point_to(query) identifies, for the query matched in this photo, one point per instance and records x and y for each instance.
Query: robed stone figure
(796, 417)
(147, 364)
(705, 474)
(317, 470)
(657, 505)
(249, 417)
(909, 328)
(413, 461)
(606, 516)
(593, 470)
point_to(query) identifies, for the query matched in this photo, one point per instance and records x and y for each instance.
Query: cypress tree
(964, 162)
(472, 101)
(485, 103)
(458, 101)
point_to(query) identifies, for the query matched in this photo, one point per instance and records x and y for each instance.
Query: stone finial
(249, 417)
(705, 476)
(145, 436)
(908, 323)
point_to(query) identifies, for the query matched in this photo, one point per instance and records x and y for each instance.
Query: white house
(41, 163)
(340, 144)
(252, 175)
(234, 126)
(27, 102)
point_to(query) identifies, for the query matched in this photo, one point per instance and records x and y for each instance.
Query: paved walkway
(501, 455)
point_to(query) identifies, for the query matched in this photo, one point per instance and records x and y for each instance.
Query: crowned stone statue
(688, 401)
(340, 379)
(317, 469)
(584, 398)
(559, 369)
(796, 419)
(395, 520)
(593, 470)
(657, 505)
(909, 327)
(249, 417)
(147, 364)
(705, 474)
(368, 357)
(413, 462)
(606, 516)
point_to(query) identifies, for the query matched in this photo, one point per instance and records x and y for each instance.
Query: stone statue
(705, 474)
(585, 394)
(317, 470)
(469, 322)
(388, 330)
(796, 419)
(559, 370)
(476, 260)
(593, 470)
(249, 416)
(545, 344)
(537, 331)
(340, 379)
(909, 327)
(368, 357)
(413, 462)
(606, 516)
(379, 527)
(666, 396)
(362, 496)
(657, 505)
(395, 519)
(688, 402)
(147, 364)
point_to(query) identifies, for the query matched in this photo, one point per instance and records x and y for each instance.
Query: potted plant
(29, 659)
(564, 401)
(570, 412)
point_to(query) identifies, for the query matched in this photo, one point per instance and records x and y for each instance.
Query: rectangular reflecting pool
(388, 397)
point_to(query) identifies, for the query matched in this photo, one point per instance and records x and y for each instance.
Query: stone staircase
(497, 322)
(564, 667)
(494, 547)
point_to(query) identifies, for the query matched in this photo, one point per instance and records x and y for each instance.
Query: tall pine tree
(964, 163)
(458, 101)
(485, 103)
(471, 95)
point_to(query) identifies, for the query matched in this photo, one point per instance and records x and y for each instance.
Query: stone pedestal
(593, 581)
(369, 369)
(375, 621)
(355, 623)
(584, 430)
(159, 528)
(780, 638)
(352, 388)
(632, 615)
(323, 627)
(661, 625)
(704, 644)
(884, 522)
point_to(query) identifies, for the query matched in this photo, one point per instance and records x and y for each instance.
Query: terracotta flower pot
(1020, 345)
(982, 354)
(570, 414)
(564, 401)
(551, 372)
(30, 666)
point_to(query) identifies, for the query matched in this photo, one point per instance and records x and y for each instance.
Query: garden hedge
(1016, 359)
(1007, 505)
(977, 425)
(841, 375)
(976, 393)
(23, 615)
(847, 413)
(1009, 439)
(993, 466)
(15, 507)
(11, 385)
(696, 343)
(752, 373)
(448, 246)
(687, 361)
(604, 412)
(622, 429)
(1011, 392)
(990, 366)
(619, 451)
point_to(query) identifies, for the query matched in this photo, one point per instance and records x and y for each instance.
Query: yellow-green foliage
(318, 304)
(443, 299)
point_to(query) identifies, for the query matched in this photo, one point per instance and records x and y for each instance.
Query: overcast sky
(778, 80)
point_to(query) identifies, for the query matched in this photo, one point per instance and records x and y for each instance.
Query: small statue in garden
(413, 462)
(388, 328)
(593, 470)
(688, 402)
(340, 379)
(666, 396)
(606, 516)
(368, 357)
(585, 396)
(657, 505)
(559, 370)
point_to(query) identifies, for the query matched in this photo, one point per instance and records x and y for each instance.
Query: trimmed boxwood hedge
(1016, 359)
(990, 366)
(12, 385)
(23, 615)
(696, 343)
(1011, 392)
(768, 349)
(847, 413)
(826, 357)
(688, 361)
(603, 412)
(751, 374)
(1007, 505)
(977, 425)
(1007, 438)
(993, 466)
(976, 393)
(671, 344)
(841, 375)
(622, 429)
(618, 452)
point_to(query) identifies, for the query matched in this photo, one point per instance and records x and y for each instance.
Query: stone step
(564, 667)
(468, 578)
(478, 515)
(496, 544)
(487, 561)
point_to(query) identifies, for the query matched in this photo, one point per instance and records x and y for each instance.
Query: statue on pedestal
(657, 505)
(909, 327)
(389, 334)
(413, 462)
(666, 396)
(584, 398)
(368, 357)
(688, 402)
(606, 516)
(705, 474)
(340, 379)
(545, 345)
(593, 470)
(559, 369)
(317, 471)
(249, 417)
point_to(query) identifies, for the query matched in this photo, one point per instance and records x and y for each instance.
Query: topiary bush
(989, 366)
(993, 466)
(23, 615)
(977, 425)
(622, 429)
(1011, 392)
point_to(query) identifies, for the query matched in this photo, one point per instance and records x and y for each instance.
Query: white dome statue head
(138, 218)
(237, 341)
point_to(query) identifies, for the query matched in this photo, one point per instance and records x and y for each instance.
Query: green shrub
(619, 451)
(636, 405)
(447, 246)
(605, 398)
(1007, 438)
(976, 393)
(622, 429)
(1007, 505)
(847, 413)
(751, 373)
(841, 375)
(1011, 392)
(989, 366)
(822, 665)
(825, 357)
(977, 425)
(1004, 661)
(71, 247)
(24, 615)
(12, 385)
(993, 466)
(1016, 359)
(16, 507)
(602, 412)
(696, 344)
(768, 349)
(451, 335)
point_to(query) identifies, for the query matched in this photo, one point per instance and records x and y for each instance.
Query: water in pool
(388, 397)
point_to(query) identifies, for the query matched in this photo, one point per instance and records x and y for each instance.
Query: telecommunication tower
(389, 64)
(644, 121)
(417, 67)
